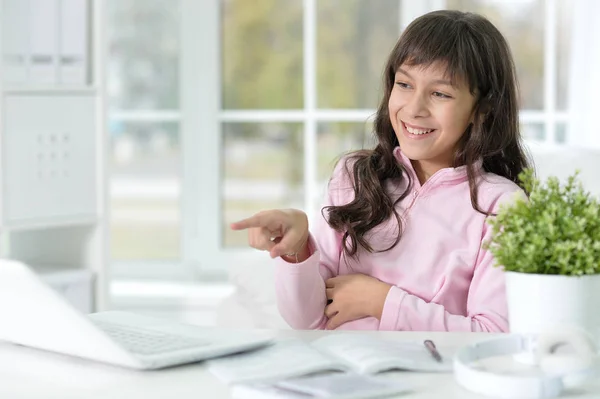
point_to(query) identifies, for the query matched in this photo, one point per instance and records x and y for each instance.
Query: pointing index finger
(252, 221)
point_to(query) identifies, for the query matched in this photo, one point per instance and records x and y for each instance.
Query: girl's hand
(353, 297)
(279, 231)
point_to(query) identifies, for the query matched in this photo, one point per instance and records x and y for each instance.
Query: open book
(359, 353)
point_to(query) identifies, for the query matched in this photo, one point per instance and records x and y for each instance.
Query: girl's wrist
(303, 253)
(381, 294)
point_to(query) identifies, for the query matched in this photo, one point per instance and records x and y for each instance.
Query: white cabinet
(49, 157)
(53, 144)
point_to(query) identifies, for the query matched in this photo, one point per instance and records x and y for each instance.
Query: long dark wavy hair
(473, 50)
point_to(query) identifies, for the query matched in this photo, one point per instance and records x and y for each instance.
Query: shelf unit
(53, 144)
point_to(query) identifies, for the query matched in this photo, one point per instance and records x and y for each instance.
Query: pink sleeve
(300, 287)
(486, 302)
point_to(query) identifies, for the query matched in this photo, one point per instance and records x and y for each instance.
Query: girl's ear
(476, 112)
(485, 105)
(481, 109)
(485, 108)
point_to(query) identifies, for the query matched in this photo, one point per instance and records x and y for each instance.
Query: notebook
(357, 352)
(34, 315)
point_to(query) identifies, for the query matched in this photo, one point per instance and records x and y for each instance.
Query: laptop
(34, 315)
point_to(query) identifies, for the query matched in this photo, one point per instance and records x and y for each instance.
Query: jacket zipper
(416, 192)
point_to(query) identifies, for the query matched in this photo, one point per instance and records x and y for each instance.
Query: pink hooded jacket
(442, 279)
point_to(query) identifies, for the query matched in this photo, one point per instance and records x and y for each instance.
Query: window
(222, 108)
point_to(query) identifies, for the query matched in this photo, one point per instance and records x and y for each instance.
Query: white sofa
(563, 161)
(253, 302)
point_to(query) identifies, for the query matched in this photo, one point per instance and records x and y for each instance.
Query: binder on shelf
(14, 41)
(73, 59)
(43, 16)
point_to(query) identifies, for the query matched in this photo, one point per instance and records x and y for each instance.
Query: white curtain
(584, 79)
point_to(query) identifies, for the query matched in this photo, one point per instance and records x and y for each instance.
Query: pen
(432, 350)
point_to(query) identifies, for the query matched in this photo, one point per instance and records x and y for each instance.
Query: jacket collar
(441, 177)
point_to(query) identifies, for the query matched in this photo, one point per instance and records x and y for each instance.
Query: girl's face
(429, 116)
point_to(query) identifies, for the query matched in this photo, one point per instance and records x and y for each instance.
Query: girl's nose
(416, 107)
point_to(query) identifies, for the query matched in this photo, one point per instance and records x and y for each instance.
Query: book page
(283, 359)
(368, 354)
(347, 386)
(332, 386)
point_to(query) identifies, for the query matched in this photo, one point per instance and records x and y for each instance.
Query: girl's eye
(403, 85)
(440, 95)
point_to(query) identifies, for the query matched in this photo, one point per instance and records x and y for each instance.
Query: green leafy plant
(555, 231)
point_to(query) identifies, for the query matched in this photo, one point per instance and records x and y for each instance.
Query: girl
(399, 243)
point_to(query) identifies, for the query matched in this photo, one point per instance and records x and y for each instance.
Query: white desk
(29, 373)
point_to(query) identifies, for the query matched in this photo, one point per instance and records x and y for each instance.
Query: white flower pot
(540, 303)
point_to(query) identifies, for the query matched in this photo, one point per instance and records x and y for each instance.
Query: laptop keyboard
(144, 341)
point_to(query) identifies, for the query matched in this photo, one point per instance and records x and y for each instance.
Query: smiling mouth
(418, 131)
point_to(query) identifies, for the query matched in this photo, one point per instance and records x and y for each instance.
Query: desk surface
(29, 373)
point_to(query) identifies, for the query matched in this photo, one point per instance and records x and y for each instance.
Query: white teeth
(418, 131)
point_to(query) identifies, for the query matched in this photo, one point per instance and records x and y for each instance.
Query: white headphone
(559, 370)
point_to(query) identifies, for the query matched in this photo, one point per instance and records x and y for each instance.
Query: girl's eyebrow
(437, 81)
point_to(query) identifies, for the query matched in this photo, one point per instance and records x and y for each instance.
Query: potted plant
(549, 246)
